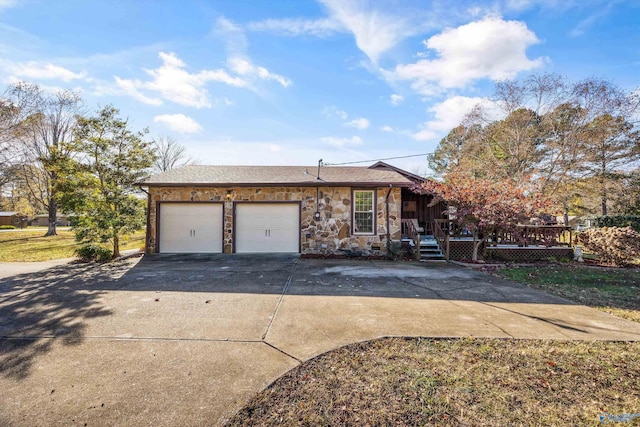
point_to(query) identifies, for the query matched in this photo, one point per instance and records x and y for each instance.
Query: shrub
(632, 221)
(614, 245)
(7, 227)
(93, 252)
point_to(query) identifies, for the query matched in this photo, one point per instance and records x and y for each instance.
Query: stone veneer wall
(328, 235)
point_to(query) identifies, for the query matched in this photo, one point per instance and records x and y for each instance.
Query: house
(309, 210)
(43, 220)
(15, 219)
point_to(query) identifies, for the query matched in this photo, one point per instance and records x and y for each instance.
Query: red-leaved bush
(614, 245)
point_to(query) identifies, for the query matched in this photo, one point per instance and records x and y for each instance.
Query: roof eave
(279, 184)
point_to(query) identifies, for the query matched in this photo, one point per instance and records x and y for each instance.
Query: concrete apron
(179, 341)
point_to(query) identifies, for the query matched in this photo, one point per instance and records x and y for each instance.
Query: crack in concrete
(108, 338)
(282, 351)
(282, 294)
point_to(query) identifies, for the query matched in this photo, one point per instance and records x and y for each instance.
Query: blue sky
(289, 82)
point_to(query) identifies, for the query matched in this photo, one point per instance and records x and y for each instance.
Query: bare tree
(170, 154)
(611, 138)
(47, 130)
(12, 116)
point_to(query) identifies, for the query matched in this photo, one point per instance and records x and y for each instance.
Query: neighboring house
(309, 210)
(43, 220)
(16, 219)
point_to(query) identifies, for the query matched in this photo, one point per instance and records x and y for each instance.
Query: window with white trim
(363, 211)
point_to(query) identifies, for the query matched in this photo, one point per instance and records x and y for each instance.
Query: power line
(376, 160)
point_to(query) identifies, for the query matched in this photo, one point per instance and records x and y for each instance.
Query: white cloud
(424, 135)
(447, 115)
(386, 128)
(176, 84)
(396, 99)
(6, 4)
(451, 113)
(341, 142)
(238, 60)
(35, 70)
(490, 48)
(360, 123)
(519, 5)
(178, 123)
(375, 31)
(128, 87)
(294, 27)
(333, 111)
(245, 68)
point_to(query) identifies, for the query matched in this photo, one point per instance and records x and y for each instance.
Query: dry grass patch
(614, 290)
(25, 246)
(414, 382)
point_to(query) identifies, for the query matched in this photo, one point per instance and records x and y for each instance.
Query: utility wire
(375, 160)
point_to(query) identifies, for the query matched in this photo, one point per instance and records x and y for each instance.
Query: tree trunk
(565, 206)
(476, 245)
(604, 204)
(53, 217)
(116, 247)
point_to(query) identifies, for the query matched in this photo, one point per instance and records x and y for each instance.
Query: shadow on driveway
(52, 303)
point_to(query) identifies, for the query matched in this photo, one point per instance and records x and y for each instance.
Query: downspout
(148, 229)
(386, 201)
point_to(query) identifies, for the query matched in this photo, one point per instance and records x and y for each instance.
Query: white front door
(267, 227)
(190, 227)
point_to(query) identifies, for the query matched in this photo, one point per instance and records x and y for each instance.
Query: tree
(12, 117)
(47, 127)
(485, 207)
(99, 185)
(459, 150)
(611, 139)
(627, 194)
(169, 154)
(569, 136)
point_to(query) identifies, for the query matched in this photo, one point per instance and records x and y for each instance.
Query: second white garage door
(190, 227)
(267, 227)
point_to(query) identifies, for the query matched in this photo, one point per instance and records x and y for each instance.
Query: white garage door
(190, 227)
(267, 227)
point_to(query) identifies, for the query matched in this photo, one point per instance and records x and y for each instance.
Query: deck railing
(409, 230)
(441, 237)
(523, 235)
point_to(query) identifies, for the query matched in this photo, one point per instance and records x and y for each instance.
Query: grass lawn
(414, 382)
(614, 290)
(33, 246)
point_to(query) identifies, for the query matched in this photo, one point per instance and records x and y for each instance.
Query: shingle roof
(276, 175)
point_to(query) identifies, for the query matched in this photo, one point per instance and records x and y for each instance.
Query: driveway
(187, 340)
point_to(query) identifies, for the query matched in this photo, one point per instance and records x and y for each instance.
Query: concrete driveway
(186, 340)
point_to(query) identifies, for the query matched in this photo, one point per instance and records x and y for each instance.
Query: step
(431, 256)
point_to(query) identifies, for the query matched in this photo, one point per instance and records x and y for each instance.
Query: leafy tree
(99, 185)
(170, 154)
(627, 194)
(47, 126)
(485, 207)
(460, 149)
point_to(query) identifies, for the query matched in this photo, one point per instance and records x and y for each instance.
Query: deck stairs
(429, 249)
